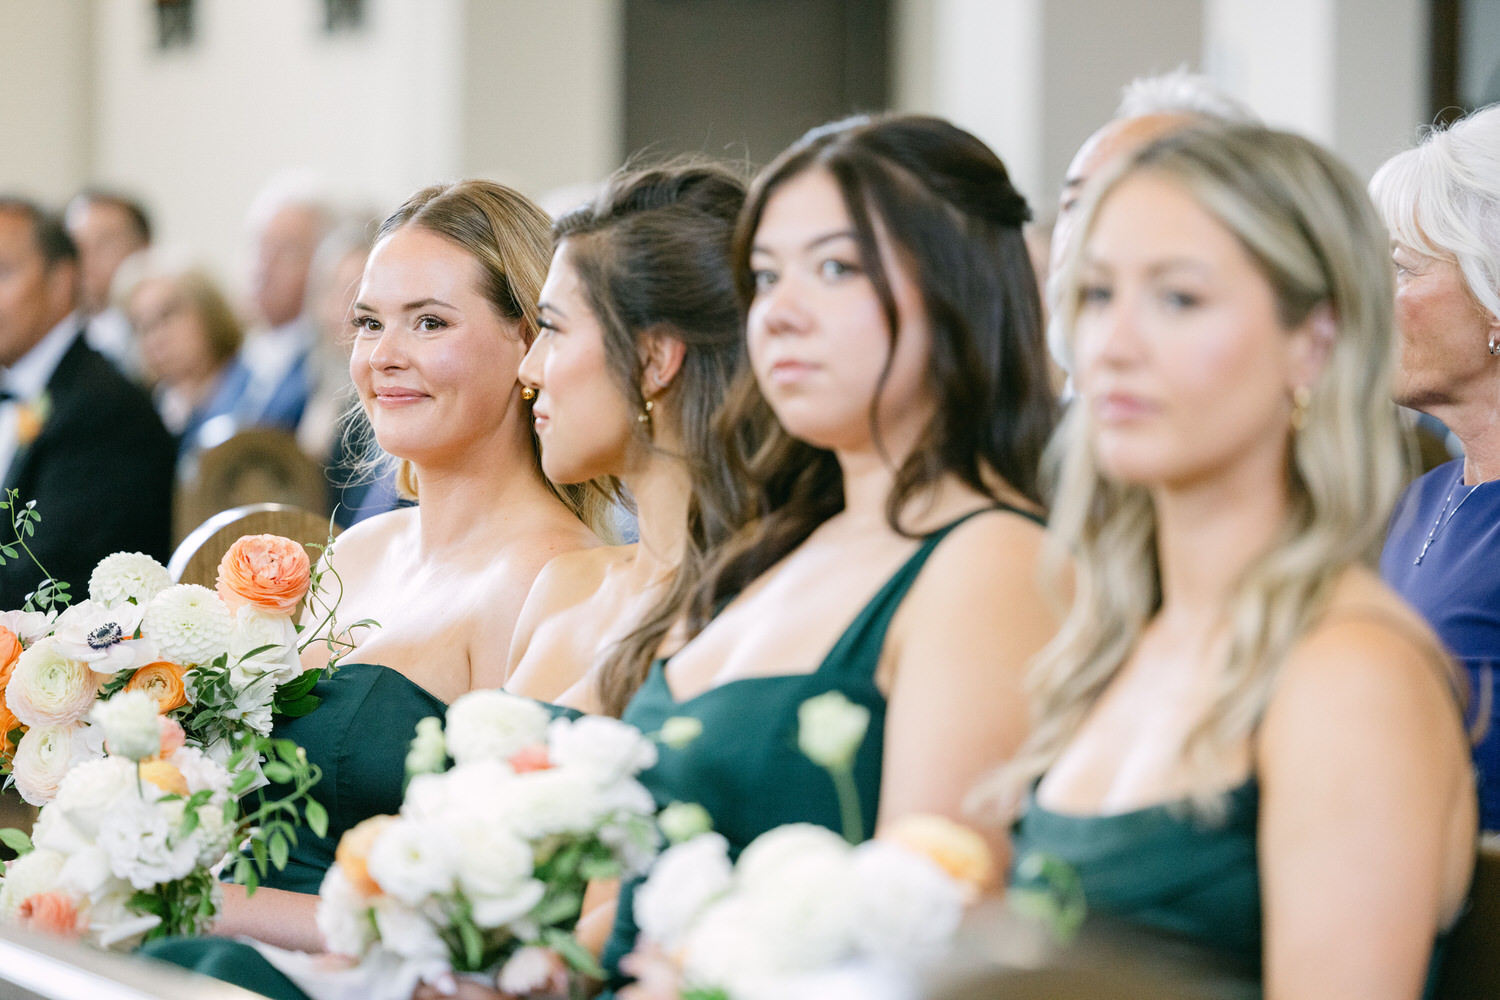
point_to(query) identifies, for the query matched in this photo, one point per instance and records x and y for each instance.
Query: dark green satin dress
(745, 768)
(1165, 869)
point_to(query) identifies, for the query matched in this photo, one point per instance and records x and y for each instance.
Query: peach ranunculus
(353, 853)
(532, 758)
(10, 652)
(173, 738)
(164, 775)
(51, 913)
(8, 723)
(955, 848)
(162, 680)
(268, 572)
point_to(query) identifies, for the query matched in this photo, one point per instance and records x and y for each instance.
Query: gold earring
(1301, 400)
(528, 393)
(644, 417)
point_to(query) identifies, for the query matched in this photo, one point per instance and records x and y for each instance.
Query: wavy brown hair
(945, 205)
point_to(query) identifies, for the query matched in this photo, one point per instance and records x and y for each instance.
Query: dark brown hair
(945, 204)
(652, 254)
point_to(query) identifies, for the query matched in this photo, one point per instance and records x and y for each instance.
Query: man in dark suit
(75, 435)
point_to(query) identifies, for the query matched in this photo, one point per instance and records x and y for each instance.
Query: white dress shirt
(26, 379)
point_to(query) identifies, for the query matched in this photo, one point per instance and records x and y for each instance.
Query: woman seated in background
(1242, 735)
(895, 340)
(1441, 202)
(445, 312)
(640, 337)
(188, 336)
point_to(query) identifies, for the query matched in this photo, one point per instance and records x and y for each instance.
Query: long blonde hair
(1305, 221)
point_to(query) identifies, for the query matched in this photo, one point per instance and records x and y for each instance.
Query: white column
(44, 102)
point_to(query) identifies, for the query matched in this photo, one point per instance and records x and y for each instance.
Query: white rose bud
(680, 730)
(129, 723)
(429, 752)
(830, 729)
(682, 821)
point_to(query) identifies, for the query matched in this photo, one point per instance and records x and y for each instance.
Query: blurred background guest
(107, 227)
(188, 337)
(75, 435)
(272, 386)
(1441, 202)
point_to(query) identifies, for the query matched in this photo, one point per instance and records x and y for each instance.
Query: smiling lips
(1122, 407)
(788, 371)
(396, 396)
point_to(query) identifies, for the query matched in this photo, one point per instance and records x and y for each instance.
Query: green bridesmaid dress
(745, 769)
(1168, 870)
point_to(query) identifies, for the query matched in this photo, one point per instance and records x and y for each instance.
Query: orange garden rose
(268, 572)
(8, 722)
(353, 853)
(164, 775)
(51, 913)
(162, 680)
(955, 848)
(10, 652)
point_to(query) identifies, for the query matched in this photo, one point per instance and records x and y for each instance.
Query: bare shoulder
(548, 541)
(361, 545)
(575, 575)
(992, 555)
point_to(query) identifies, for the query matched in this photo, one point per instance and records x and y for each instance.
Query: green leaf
(575, 954)
(278, 772)
(16, 840)
(280, 851)
(298, 707)
(296, 688)
(473, 943)
(317, 817)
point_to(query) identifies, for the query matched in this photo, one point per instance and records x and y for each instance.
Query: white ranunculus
(559, 800)
(43, 756)
(495, 861)
(474, 791)
(682, 821)
(48, 688)
(103, 637)
(909, 907)
(527, 971)
(129, 723)
(407, 932)
(143, 845)
(429, 751)
(768, 855)
(607, 748)
(830, 729)
(727, 948)
(802, 887)
(189, 624)
(493, 724)
(496, 911)
(201, 771)
(29, 626)
(128, 576)
(91, 792)
(254, 629)
(26, 876)
(87, 874)
(686, 880)
(344, 917)
(415, 860)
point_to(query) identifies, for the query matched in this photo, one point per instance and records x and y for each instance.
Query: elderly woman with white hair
(1441, 202)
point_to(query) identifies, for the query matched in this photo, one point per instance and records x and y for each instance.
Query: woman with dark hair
(445, 312)
(639, 340)
(897, 363)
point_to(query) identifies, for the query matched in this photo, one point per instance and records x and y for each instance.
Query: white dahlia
(189, 624)
(128, 576)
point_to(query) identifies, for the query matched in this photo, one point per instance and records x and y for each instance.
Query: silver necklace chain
(1440, 523)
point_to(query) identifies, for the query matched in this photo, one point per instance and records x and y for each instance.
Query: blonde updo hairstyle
(1306, 223)
(510, 238)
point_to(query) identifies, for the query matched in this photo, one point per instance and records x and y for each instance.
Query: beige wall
(45, 117)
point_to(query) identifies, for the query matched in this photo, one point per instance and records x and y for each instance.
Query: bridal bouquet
(127, 846)
(487, 863)
(218, 663)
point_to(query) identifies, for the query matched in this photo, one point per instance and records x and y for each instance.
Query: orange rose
(268, 572)
(955, 848)
(162, 680)
(51, 913)
(353, 853)
(10, 652)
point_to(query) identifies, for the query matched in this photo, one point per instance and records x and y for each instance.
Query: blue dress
(1456, 587)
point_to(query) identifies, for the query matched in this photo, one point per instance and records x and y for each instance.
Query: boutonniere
(31, 416)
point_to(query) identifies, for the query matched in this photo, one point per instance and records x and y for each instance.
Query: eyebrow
(816, 241)
(410, 306)
(542, 307)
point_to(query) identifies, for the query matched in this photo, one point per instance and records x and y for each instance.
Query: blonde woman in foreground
(1243, 737)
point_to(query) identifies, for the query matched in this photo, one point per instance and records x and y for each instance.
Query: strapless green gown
(1164, 869)
(359, 736)
(745, 768)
